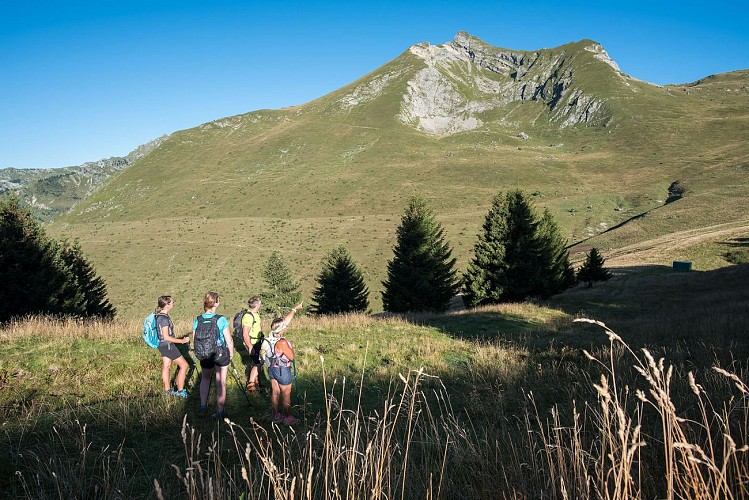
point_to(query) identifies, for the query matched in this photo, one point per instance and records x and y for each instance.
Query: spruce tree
(518, 255)
(421, 275)
(485, 280)
(42, 276)
(592, 269)
(30, 273)
(557, 273)
(340, 285)
(282, 291)
(87, 290)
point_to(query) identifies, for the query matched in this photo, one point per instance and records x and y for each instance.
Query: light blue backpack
(150, 332)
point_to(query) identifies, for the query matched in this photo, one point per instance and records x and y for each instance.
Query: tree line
(520, 254)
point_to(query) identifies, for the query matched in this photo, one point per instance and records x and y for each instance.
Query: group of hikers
(214, 346)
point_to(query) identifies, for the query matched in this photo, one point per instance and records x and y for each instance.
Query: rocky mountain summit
(466, 78)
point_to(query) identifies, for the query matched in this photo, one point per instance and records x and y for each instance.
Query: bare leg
(286, 399)
(221, 372)
(182, 373)
(275, 394)
(166, 365)
(253, 375)
(205, 386)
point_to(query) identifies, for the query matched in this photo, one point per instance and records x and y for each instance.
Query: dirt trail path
(669, 243)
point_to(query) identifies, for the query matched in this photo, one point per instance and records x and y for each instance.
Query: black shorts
(255, 352)
(169, 350)
(220, 358)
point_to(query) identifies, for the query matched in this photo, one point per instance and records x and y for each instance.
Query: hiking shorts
(281, 374)
(255, 352)
(220, 358)
(169, 350)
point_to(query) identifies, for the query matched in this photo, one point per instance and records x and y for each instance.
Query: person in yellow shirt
(252, 335)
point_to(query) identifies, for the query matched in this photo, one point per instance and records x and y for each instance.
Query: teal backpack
(150, 332)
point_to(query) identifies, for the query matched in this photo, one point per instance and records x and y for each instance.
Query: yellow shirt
(252, 320)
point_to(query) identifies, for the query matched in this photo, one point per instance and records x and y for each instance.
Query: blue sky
(85, 80)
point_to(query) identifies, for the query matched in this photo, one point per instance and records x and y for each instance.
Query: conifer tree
(87, 291)
(283, 292)
(340, 285)
(421, 276)
(42, 276)
(592, 269)
(517, 255)
(30, 273)
(557, 273)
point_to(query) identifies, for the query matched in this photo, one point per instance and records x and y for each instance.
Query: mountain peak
(465, 78)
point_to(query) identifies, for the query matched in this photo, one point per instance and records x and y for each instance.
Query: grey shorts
(281, 374)
(169, 350)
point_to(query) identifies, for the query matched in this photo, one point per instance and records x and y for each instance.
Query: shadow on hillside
(739, 242)
(144, 432)
(655, 305)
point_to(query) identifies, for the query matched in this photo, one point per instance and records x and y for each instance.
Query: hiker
(252, 336)
(279, 354)
(167, 348)
(214, 347)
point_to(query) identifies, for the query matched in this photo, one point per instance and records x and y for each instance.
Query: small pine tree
(283, 292)
(592, 269)
(421, 276)
(341, 287)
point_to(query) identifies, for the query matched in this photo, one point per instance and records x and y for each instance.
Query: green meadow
(515, 400)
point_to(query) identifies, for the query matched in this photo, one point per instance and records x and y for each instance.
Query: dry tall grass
(665, 432)
(418, 446)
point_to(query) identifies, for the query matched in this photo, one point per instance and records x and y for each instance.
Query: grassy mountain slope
(455, 123)
(53, 191)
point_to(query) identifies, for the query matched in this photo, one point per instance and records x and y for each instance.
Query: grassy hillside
(206, 208)
(501, 389)
(53, 191)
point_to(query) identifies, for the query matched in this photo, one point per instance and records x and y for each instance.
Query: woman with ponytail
(167, 348)
(218, 358)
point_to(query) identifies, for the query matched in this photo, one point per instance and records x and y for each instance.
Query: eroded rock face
(437, 101)
(433, 103)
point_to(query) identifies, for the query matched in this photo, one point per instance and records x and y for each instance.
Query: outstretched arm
(287, 319)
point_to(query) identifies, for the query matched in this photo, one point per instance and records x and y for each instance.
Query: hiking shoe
(220, 416)
(277, 418)
(203, 411)
(290, 420)
(180, 394)
(166, 393)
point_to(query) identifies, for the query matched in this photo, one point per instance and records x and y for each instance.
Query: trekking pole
(296, 387)
(191, 372)
(239, 383)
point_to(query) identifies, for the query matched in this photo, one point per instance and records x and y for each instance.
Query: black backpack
(206, 337)
(237, 324)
